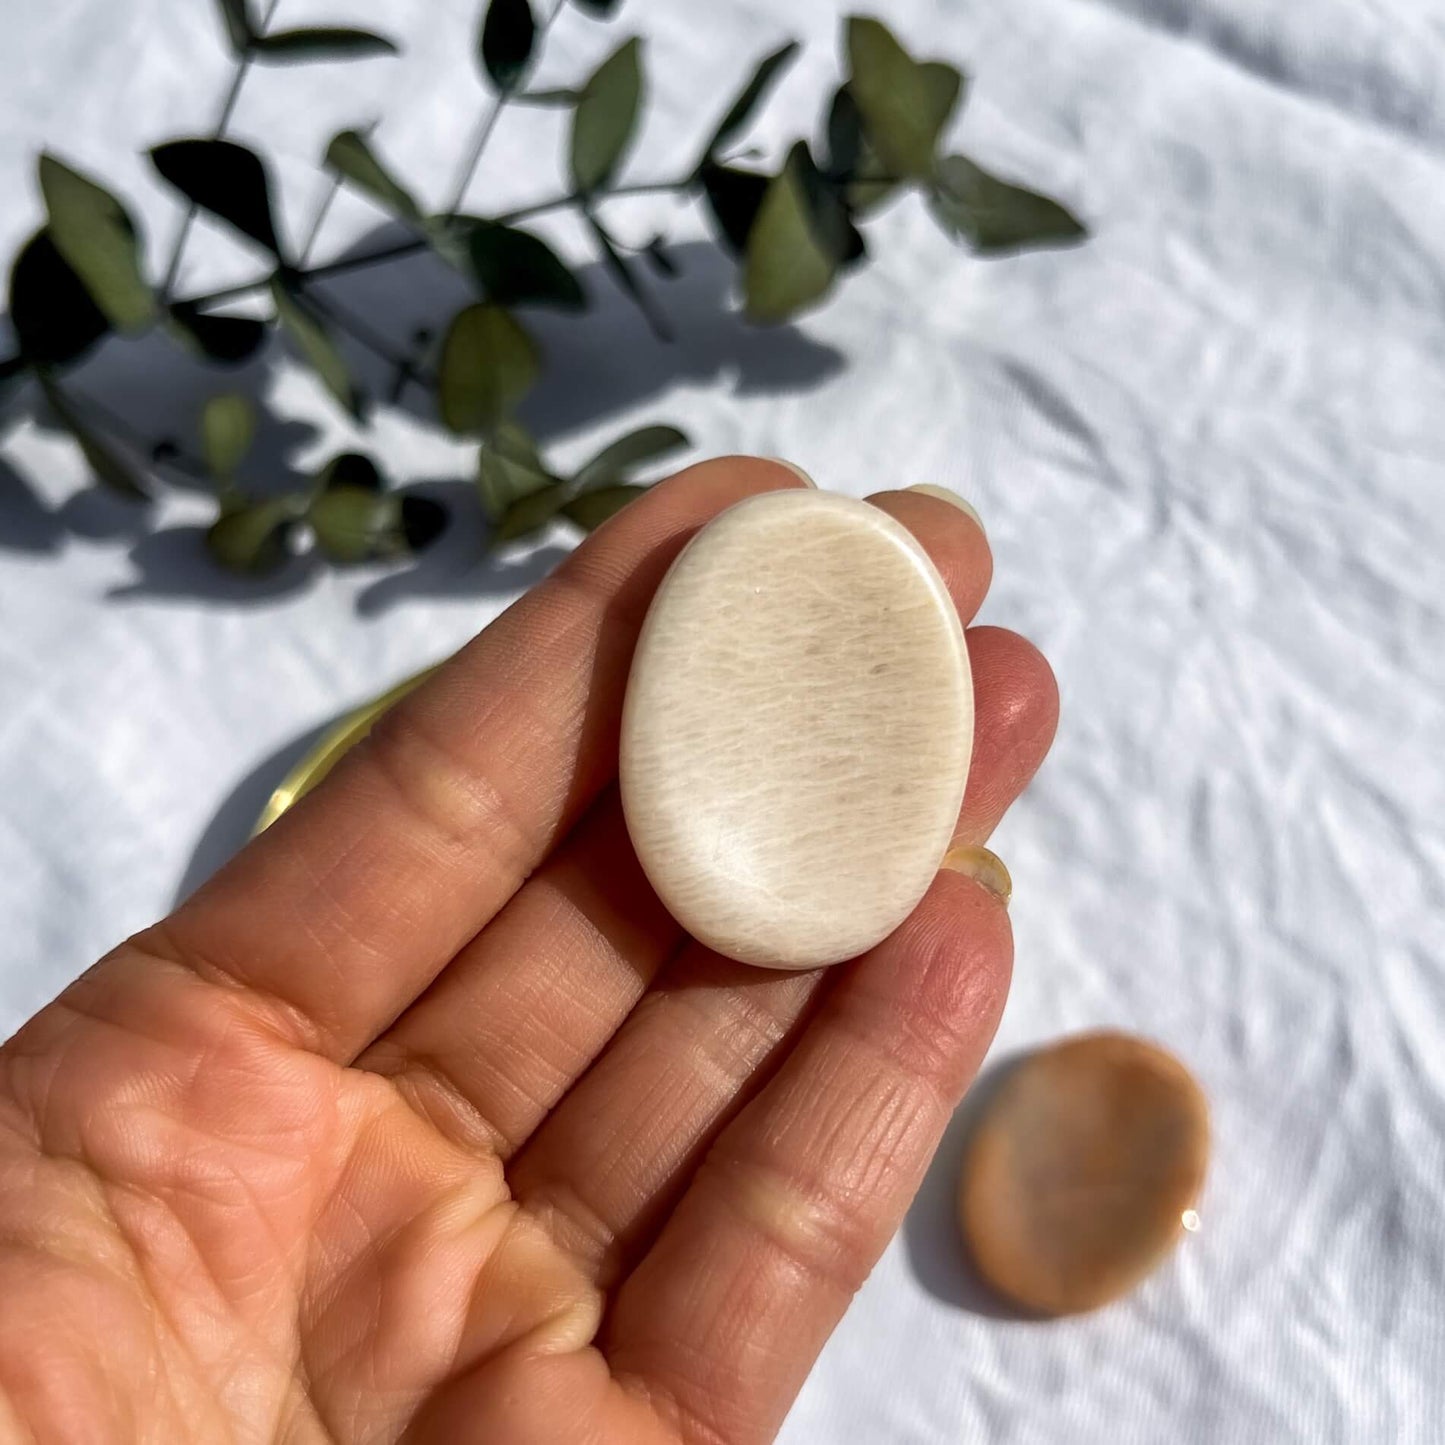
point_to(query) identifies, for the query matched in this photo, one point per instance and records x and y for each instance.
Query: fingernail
(797, 472)
(945, 495)
(984, 867)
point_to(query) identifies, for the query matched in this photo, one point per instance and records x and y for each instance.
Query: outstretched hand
(424, 1120)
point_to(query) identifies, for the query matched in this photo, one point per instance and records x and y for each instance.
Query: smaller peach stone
(1078, 1177)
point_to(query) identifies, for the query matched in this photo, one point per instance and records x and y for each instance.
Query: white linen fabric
(1208, 446)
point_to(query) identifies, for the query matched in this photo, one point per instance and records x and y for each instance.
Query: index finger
(347, 907)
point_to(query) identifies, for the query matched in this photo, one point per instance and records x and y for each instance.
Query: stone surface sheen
(1078, 1175)
(797, 730)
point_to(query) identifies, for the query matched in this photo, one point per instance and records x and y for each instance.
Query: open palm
(423, 1120)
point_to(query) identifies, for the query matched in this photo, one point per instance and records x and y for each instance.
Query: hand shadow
(931, 1235)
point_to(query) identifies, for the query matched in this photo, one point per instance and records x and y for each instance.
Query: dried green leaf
(238, 25)
(307, 330)
(852, 162)
(741, 110)
(252, 539)
(489, 363)
(349, 154)
(828, 212)
(228, 427)
(992, 215)
(225, 179)
(227, 339)
(515, 268)
(505, 44)
(734, 197)
(111, 468)
(592, 509)
(354, 524)
(905, 104)
(98, 239)
(530, 513)
(321, 42)
(350, 469)
(606, 116)
(54, 317)
(789, 266)
(618, 459)
(508, 468)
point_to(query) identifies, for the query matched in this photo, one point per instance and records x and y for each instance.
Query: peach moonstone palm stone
(797, 730)
(1077, 1180)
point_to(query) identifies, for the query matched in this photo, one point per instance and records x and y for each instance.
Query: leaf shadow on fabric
(601, 363)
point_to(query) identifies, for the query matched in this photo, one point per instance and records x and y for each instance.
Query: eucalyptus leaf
(505, 45)
(96, 236)
(225, 179)
(905, 104)
(741, 110)
(54, 317)
(238, 25)
(228, 427)
(508, 468)
(530, 513)
(788, 266)
(353, 524)
(489, 363)
(311, 337)
(828, 212)
(606, 116)
(734, 197)
(590, 510)
(993, 215)
(515, 268)
(620, 458)
(321, 42)
(110, 467)
(350, 155)
(253, 539)
(350, 469)
(227, 339)
(852, 162)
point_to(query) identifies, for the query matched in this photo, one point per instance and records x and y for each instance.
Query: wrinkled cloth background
(1209, 448)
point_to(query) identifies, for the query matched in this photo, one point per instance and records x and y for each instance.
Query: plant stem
(410, 247)
(228, 109)
(397, 249)
(488, 125)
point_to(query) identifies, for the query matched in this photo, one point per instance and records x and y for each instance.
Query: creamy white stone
(797, 730)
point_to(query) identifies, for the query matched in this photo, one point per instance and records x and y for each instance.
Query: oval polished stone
(1079, 1174)
(797, 730)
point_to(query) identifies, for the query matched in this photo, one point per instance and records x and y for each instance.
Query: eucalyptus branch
(223, 120)
(83, 275)
(489, 123)
(413, 245)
